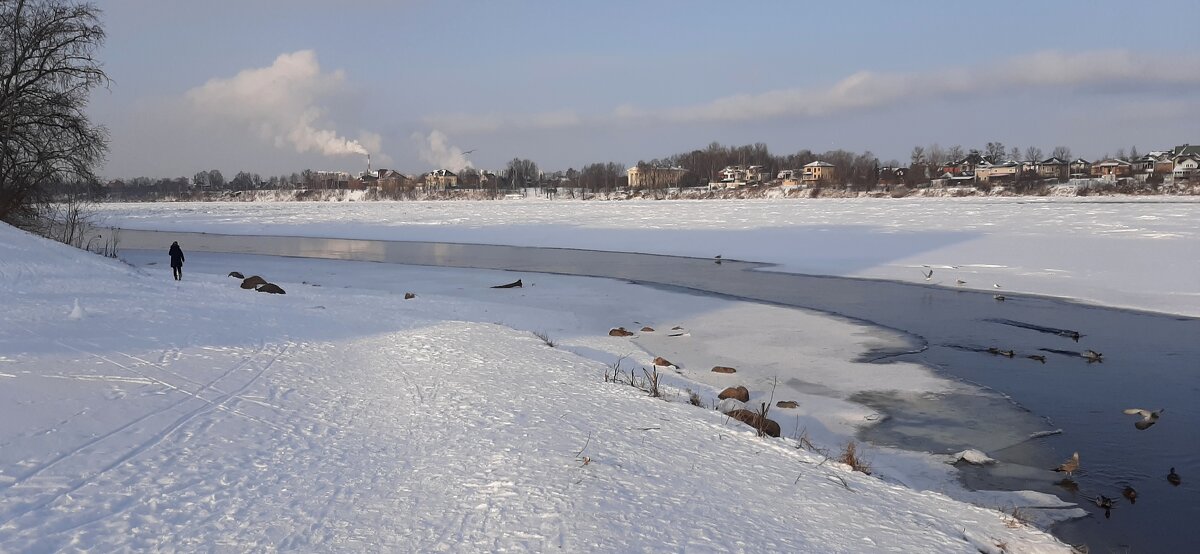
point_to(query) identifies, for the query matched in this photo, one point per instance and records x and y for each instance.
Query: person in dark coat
(176, 260)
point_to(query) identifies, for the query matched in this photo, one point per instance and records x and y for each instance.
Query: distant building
(891, 176)
(331, 179)
(440, 179)
(1080, 168)
(650, 176)
(1187, 166)
(1112, 169)
(1004, 171)
(965, 166)
(1052, 168)
(819, 172)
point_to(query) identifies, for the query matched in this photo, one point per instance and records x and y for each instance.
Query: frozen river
(1149, 360)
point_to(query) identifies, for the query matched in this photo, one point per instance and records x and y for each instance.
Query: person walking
(176, 260)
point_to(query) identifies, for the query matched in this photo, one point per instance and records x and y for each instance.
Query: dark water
(1149, 361)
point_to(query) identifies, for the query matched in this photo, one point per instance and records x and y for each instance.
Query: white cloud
(281, 103)
(866, 90)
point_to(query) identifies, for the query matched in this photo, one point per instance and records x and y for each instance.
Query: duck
(999, 298)
(1037, 358)
(1107, 503)
(1071, 465)
(1092, 356)
(1130, 494)
(1173, 478)
(1148, 417)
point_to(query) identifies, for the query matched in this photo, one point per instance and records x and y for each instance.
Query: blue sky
(272, 85)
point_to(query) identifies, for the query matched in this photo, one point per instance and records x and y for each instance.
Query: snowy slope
(201, 417)
(1128, 252)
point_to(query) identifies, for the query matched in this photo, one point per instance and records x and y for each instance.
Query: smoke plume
(281, 104)
(436, 150)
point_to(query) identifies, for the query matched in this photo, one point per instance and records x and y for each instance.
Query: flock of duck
(1148, 417)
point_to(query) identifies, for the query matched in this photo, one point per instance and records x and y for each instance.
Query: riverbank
(343, 416)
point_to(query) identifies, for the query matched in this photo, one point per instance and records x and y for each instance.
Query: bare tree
(1061, 152)
(1034, 154)
(48, 68)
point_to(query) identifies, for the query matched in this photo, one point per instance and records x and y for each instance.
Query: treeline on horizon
(856, 170)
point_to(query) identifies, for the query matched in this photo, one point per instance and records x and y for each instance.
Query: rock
(409, 296)
(270, 288)
(237, 275)
(661, 361)
(972, 456)
(253, 281)
(787, 404)
(769, 426)
(723, 369)
(647, 329)
(619, 332)
(739, 393)
(513, 285)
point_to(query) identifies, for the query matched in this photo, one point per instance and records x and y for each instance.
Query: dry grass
(694, 398)
(545, 338)
(852, 458)
(647, 381)
(1016, 517)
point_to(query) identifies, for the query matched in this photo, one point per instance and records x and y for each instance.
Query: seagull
(995, 285)
(1092, 356)
(1148, 417)
(1173, 478)
(999, 297)
(1130, 494)
(928, 274)
(1071, 465)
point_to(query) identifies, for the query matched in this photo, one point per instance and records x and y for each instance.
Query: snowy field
(144, 414)
(1116, 251)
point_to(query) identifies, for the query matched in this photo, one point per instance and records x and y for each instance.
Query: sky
(275, 86)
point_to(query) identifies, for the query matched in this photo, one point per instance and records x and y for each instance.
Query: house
(440, 179)
(891, 176)
(1112, 169)
(1080, 168)
(1187, 166)
(818, 172)
(392, 181)
(1052, 168)
(1004, 171)
(653, 176)
(964, 166)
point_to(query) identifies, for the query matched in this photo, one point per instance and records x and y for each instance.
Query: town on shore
(718, 171)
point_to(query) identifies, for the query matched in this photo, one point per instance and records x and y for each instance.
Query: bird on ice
(995, 285)
(1070, 466)
(1148, 417)
(928, 274)
(960, 282)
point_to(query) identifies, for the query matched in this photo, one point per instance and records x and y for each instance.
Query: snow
(1130, 252)
(195, 415)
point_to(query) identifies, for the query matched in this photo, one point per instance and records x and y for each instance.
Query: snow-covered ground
(144, 414)
(1128, 252)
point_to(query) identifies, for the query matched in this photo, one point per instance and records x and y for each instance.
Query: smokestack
(368, 163)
